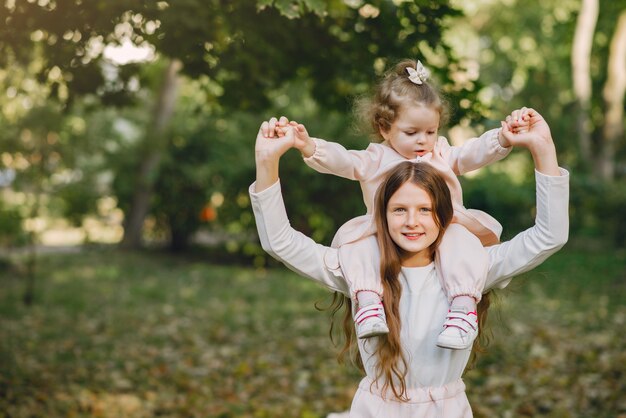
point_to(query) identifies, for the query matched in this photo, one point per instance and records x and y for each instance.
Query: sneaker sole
(451, 344)
(372, 334)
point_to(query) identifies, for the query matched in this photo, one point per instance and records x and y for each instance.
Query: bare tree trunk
(581, 76)
(155, 143)
(613, 93)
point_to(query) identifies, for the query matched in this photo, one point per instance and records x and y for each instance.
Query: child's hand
(517, 123)
(519, 120)
(303, 142)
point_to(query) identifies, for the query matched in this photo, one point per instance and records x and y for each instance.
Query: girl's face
(411, 224)
(414, 132)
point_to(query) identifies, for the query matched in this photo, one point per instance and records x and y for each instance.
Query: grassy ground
(145, 334)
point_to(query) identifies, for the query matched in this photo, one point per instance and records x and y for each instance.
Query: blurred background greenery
(127, 132)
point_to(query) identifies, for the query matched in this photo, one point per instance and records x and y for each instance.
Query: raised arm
(294, 249)
(531, 247)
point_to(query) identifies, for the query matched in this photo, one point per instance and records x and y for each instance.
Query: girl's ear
(383, 133)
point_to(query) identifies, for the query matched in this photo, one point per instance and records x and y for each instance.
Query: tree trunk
(581, 76)
(155, 143)
(613, 94)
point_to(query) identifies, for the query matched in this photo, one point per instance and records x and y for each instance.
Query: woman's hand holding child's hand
(302, 141)
(271, 146)
(526, 128)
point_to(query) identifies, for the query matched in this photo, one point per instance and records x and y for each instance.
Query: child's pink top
(370, 167)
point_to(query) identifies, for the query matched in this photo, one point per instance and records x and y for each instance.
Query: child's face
(414, 132)
(411, 224)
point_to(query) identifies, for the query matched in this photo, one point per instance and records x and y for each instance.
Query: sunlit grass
(147, 334)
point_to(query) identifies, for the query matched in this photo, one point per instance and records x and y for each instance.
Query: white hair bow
(419, 74)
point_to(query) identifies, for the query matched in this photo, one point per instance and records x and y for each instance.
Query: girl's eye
(425, 210)
(410, 133)
(399, 210)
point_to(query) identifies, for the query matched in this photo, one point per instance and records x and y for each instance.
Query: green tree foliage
(241, 52)
(11, 233)
(244, 61)
(525, 54)
(243, 46)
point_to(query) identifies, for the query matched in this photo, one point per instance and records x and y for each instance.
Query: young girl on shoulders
(405, 112)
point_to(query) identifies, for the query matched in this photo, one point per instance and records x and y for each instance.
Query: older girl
(407, 375)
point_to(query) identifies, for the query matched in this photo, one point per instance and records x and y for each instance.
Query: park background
(132, 283)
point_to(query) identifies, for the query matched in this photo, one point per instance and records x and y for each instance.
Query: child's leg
(361, 268)
(463, 263)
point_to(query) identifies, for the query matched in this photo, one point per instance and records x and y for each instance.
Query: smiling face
(411, 224)
(414, 132)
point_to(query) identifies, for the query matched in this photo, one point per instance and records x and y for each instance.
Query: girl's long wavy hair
(392, 365)
(391, 362)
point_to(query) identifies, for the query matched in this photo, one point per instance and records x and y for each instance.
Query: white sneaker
(371, 321)
(459, 330)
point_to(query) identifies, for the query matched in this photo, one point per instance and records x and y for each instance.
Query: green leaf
(289, 8)
(319, 7)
